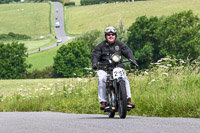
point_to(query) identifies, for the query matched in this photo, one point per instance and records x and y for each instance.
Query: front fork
(114, 98)
(114, 91)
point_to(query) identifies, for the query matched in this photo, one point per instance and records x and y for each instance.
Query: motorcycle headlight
(116, 57)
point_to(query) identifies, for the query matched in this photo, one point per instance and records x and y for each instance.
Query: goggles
(110, 29)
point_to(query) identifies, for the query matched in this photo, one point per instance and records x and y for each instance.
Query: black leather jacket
(104, 51)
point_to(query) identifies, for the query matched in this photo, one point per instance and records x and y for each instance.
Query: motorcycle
(116, 88)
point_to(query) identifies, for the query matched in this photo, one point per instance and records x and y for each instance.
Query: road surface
(55, 122)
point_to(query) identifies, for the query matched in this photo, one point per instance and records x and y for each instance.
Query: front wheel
(122, 102)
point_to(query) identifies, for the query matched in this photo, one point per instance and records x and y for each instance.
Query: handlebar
(99, 63)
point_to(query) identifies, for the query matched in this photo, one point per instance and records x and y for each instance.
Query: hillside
(85, 18)
(31, 19)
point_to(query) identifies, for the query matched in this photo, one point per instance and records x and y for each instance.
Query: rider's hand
(133, 62)
(94, 66)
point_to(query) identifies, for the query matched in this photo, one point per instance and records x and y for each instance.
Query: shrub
(13, 36)
(13, 60)
(69, 3)
(90, 38)
(47, 72)
(72, 59)
(154, 38)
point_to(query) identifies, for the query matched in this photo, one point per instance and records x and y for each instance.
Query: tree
(142, 41)
(72, 59)
(179, 35)
(13, 60)
(154, 38)
(90, 38)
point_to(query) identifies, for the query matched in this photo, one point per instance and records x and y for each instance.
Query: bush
(72, 59)
(90, 38)
(13, 36)
(69, 4)
(91, 2)
(48, 72)
(13, 60)
(154, 38)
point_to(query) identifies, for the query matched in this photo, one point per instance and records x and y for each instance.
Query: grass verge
(171, 93)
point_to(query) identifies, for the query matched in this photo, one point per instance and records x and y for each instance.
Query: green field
(42, 59)
(34, 45)
(31, 19)
(85, 18)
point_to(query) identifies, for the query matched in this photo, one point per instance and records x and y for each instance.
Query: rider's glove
(133, 62)
(94, 66)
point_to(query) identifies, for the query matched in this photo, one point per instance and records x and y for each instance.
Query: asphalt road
(60, 32)
(54, 122)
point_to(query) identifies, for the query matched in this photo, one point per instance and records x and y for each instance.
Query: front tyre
(122, 102)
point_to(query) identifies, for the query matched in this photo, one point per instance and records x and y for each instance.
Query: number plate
(119, 73)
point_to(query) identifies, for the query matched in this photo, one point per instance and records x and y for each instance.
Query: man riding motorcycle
(101, 54)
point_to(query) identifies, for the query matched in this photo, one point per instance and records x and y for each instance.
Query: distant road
(55, 122)
(60, 32)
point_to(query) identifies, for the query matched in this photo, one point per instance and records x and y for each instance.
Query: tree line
(153, 38)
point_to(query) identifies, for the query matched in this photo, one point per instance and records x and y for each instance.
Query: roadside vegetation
(169, 89)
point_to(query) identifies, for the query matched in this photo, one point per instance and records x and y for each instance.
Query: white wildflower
(88, 68)
(146, 73)
(51, 93)
(169, 65)
(182, 61)
(86, 80)
(157, 63)
(165, 58)
(79, 79)
(74, 74)
(48, 89)
(71, 85)
(69, 89)
(162, 66)
(41, 89)
(153, 80)
(165, 74)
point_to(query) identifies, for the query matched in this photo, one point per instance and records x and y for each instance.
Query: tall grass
(164, 90)
(85, 18)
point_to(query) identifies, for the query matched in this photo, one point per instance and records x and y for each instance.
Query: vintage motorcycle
(116, 88)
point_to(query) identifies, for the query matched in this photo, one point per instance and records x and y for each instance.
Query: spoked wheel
(122, 102)
(111, 113)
